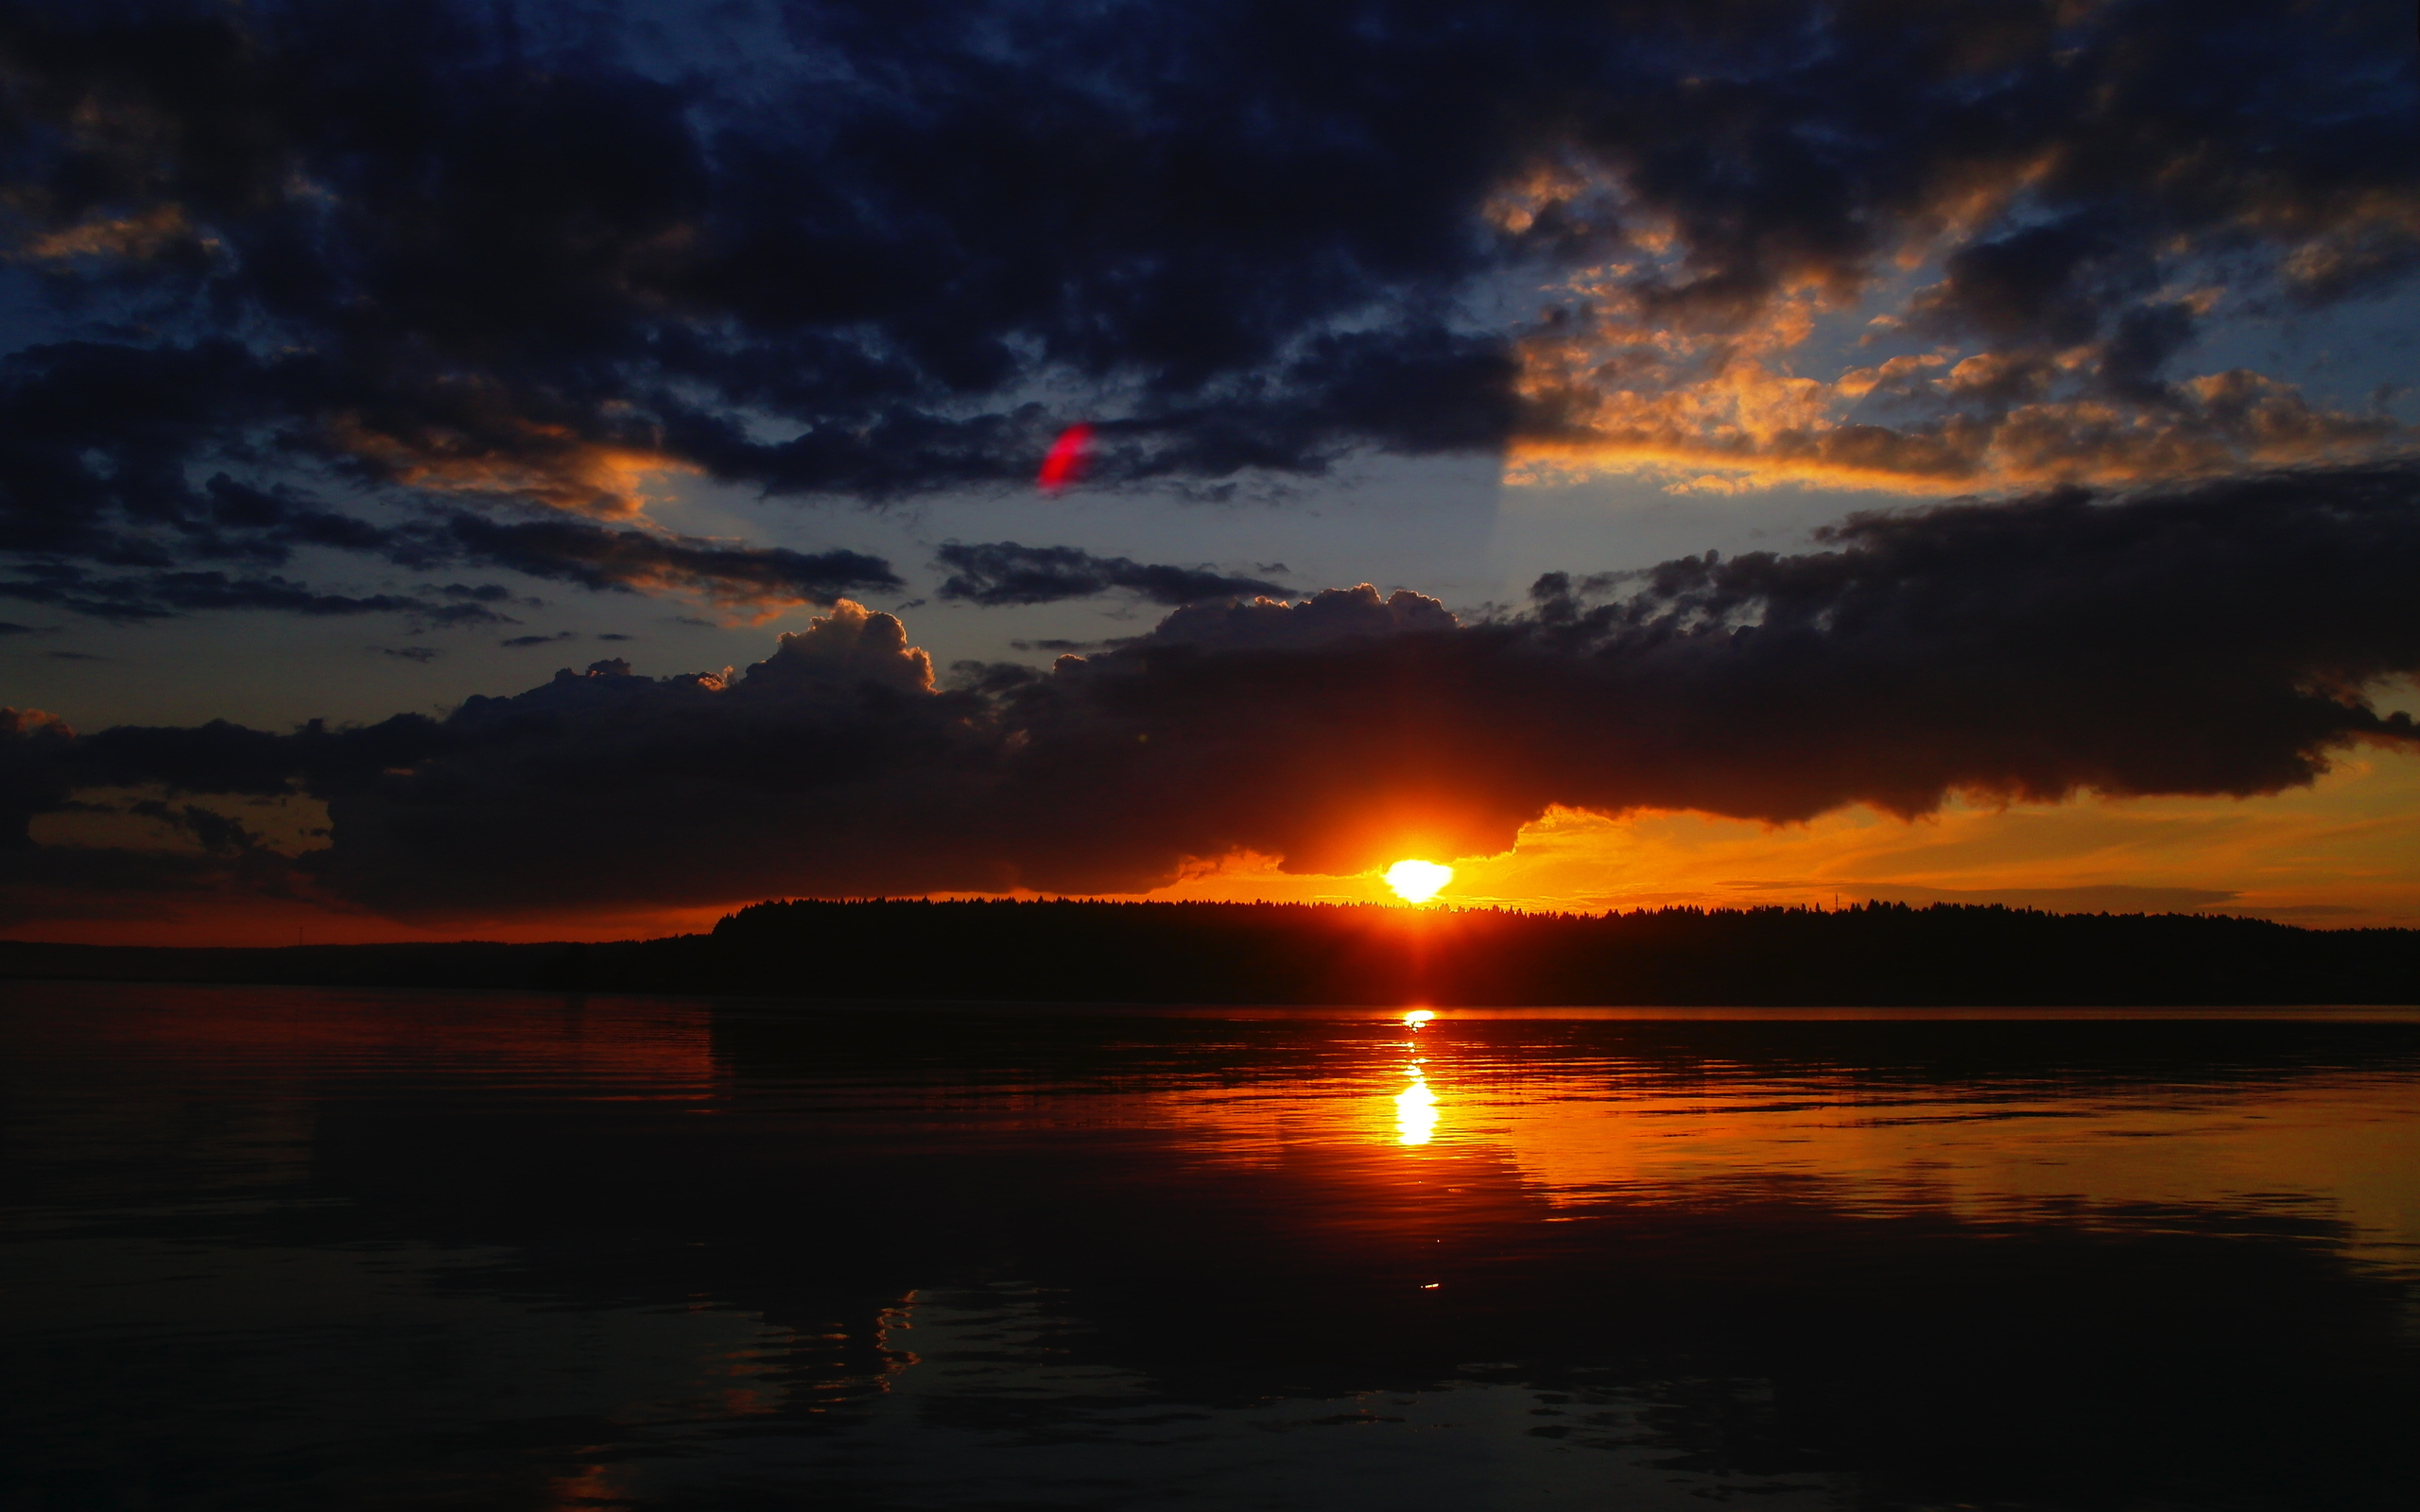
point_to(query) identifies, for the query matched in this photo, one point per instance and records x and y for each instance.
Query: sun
(1416, 881)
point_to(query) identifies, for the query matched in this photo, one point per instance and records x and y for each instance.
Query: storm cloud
(2224, 638)
(379, 267)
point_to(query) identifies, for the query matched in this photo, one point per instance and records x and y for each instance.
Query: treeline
(1879, 955)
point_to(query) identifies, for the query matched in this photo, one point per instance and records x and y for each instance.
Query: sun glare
(1415, 1112)
(1416, 881)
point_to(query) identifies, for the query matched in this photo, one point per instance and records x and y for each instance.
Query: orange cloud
(478, 444)
(138, 236)
(1741, 419)
(1692, 356)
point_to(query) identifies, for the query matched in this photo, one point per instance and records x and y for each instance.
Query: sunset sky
(566, 470)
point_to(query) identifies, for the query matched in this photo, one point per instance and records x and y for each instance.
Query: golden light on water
(1415, 1106)
(1416, 881)
(1415, 1112)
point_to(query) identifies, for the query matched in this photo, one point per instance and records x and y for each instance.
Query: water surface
(269, 1249)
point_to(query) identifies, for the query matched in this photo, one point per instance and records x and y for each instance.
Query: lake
(295, 1247)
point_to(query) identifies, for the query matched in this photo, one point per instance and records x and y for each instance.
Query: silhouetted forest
(1876, 955)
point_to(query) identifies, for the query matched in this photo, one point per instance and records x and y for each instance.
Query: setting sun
(1416, 881)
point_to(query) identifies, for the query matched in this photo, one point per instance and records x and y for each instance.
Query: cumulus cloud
(1003, 572)
(435, 260)
(2215, 639)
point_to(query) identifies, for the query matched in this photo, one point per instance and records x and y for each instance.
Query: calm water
(269, 1249)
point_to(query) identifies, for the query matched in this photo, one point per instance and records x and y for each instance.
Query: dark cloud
(166, 594)
(2216, 639)
(2037, 284)
(411, 653)
(9, 627)
(590, 556)
(216, 833)
(1003, 572)
(94, 447)
(334, 277)
(519, 641)
(36, 754)
(1055, 643)
(596, 558)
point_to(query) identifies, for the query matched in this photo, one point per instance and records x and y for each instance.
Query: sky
(542, 471)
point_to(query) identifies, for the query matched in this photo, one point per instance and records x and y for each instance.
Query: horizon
(1446, 909)
(1383, 905)
(1044, 953)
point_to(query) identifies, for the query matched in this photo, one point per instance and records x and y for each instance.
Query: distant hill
(1878, 955)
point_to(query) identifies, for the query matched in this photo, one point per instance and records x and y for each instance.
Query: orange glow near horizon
(1416, 881)
(1599, 1116)
(2344, 853)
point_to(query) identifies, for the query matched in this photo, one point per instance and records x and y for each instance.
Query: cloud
(1003, 572)
(517, 641)
(166, 595)
(344, 281)
(98, 475)
(216, 833)
(229, 520)
(754, 576)
(1726, 412)
(35, 753)
(2212, 639)
(1058, 644)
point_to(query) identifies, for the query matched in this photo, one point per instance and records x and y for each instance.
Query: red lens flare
(1068, 455)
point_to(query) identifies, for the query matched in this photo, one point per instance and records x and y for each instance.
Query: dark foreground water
(268, 1248)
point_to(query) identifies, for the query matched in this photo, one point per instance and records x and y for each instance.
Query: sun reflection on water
(1415, 1106)
(1415, 1112)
